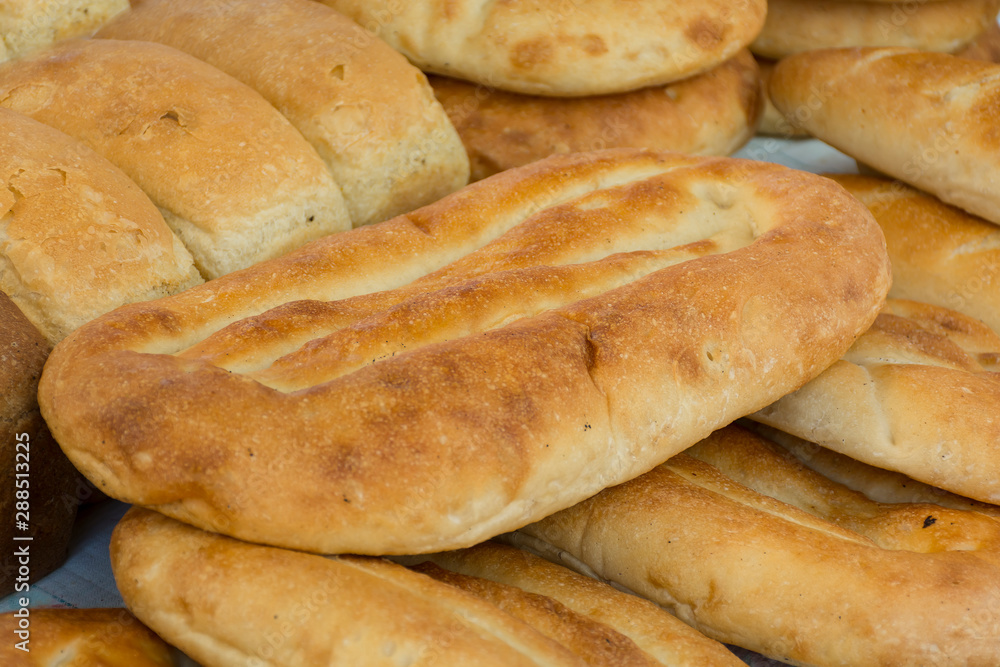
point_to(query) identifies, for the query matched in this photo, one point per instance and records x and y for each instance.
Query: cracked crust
(616, 307)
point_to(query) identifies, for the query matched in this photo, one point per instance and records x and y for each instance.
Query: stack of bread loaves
(796, 26)
(521, 81)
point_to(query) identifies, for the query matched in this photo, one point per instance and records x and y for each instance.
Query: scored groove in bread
(177, 126)
(368, 112)
(917, 393)
(664, 637)
(883, 486)
(918, 585)
(479, 426)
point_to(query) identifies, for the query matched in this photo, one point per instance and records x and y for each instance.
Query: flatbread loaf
(79, 237)
(753, 548)
(579, 320)
(928, 119)
(82, 638)
(233, 179)
(31, 25)
(368, 112)
(227, 603)
(940, 255)
(794, 26)
(772, 122)
(917, 393)
(568, 48)
(668, 640)
(714, 113)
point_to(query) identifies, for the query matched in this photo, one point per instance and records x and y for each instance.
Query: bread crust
(563, 49)
(928, 119)
(915, 394)
(177, 126)
(772, 122)
(229, 603)
(80, 238)
(368, 112)
(84, 637)
(664, 637)
(794, 26)
(489, 425)
(753, 548)
(940, 255)
(714, 113)
(31, 25)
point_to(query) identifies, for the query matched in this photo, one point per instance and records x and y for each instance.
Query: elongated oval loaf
(578, 321)
(754, 549)
(227, 603)
(234, 180)
(928, 119)
(569, 48)
(368, 112)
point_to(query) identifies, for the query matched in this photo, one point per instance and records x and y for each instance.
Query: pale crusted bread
(794, 26)
(755, 549)
(772, 122)
(926, 118)
(918, 393)
(595, 643)
(884, 486)
(711, 114)
(30, 460)
(567, 346)
(667, 639)
(570, 48)
(940, 255)
(368, 112)
(234, 180)
(82, 638)
(230, 603)
(79, 238)
(31, 25)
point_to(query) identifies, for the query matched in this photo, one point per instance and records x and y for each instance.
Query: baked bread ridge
(563, 49)
(79, 237)
(702, 333)
(230, 603)
(858, 584)
(663, 636)
(594, 642)
(940, 255)
(26, 446)
(29, 25)
(176, 125)
(714, 113)
(79, 637)
(794, 26)
(369, 113)
(916, 393)
(925, 118)
(883, 486)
